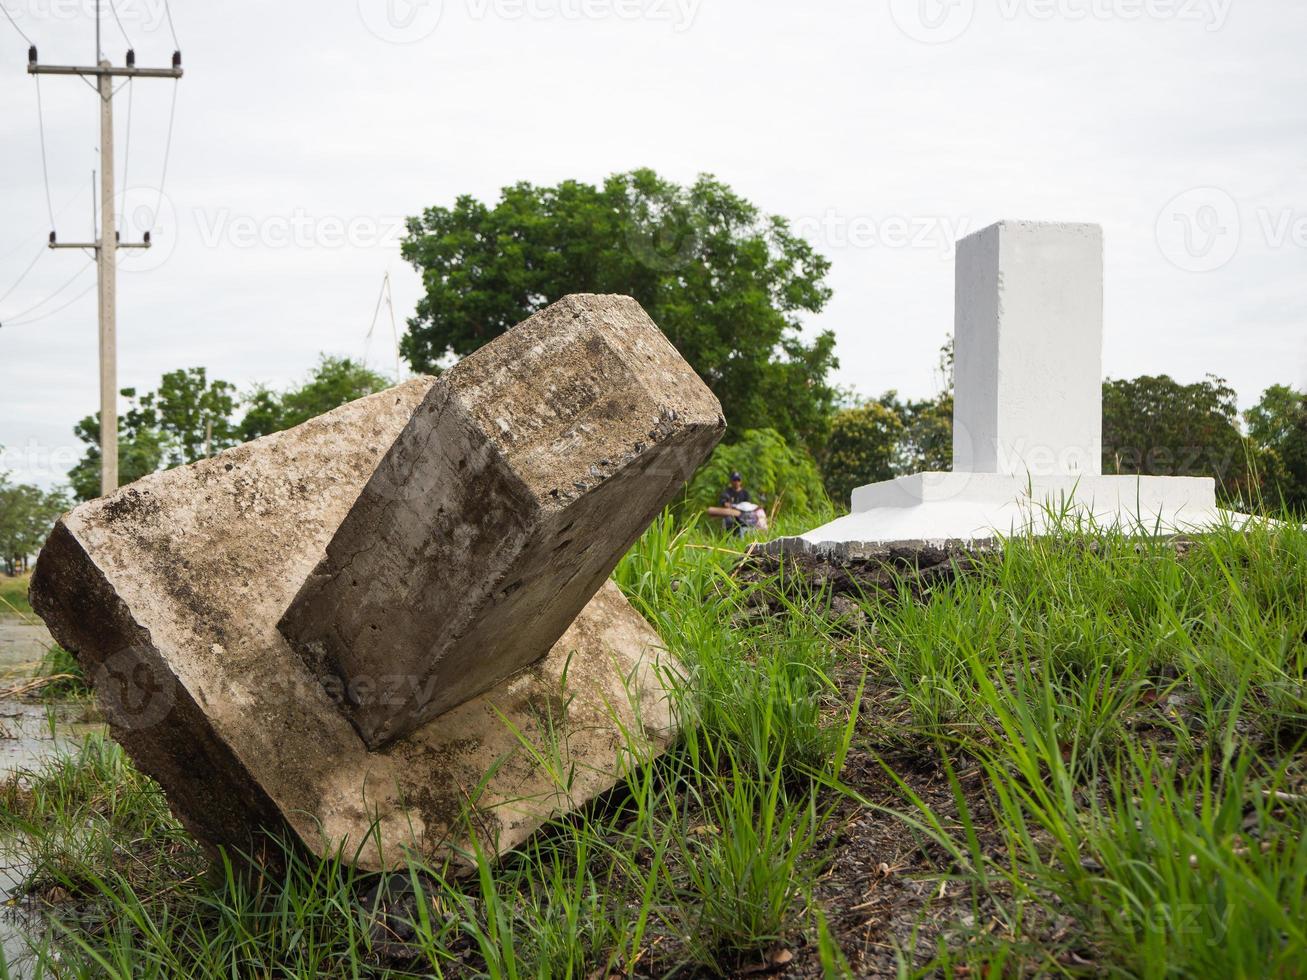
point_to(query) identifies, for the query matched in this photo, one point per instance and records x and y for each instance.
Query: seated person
(737, 511)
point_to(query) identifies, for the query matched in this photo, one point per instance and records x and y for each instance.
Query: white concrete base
(940, 509)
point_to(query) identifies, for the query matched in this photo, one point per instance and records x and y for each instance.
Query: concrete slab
(170, 592)
(521, 478)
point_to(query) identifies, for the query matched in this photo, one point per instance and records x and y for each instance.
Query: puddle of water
(30, 733)
(19, 926)
(22, 642)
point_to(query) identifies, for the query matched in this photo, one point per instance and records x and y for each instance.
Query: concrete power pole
(107, 244)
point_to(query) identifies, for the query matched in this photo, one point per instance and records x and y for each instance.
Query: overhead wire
(167, 152)
(36, 306)
(10, 17)
(114, 10)
(127, 140)
(49, 313)
(45, 167)
(23, 275)
(176, 45)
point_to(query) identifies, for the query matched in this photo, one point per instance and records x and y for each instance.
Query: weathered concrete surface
(170, 591)
(523, 476)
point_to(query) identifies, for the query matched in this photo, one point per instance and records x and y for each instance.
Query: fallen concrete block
(517, 484)
(170, 592)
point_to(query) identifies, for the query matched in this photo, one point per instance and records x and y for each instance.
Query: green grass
(13, 595)
(1098, 743)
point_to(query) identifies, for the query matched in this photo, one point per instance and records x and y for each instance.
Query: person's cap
(736, 476)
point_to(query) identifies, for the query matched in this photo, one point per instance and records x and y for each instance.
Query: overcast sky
(882, 129)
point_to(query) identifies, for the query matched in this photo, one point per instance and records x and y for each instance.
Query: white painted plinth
(939, 509)
(1027, 416)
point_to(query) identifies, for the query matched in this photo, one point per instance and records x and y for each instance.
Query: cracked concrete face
(170, 593)
(522, 477)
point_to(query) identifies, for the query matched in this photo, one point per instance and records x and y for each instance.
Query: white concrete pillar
(1029, 350)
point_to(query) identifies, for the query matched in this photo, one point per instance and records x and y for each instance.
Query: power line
(387, 297)
(114, 11)
(23, 275)
(107, 243)
(45, 169)
(31, 309)
(172, 30)
(47, 315)
(127, 139)
(167, 152)
(9, 17)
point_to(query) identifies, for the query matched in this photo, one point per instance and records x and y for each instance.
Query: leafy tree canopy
(726, 283)
(774, 473)
(26, 515)
(142, 446)
(190, 416)
(335, 381)
(862, 446)
(1277, 428)
(1157, 426)
(195, 414)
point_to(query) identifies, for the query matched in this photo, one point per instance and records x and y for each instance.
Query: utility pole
(107, 243)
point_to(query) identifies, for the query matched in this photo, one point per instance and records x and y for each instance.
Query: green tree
(724, 282)
(1277, 428)
(927, 443)
(774, 473)
(1154, 425)
(142, 445)
(195, 415)
(861, 448)
(189, 417)
(26, 515)
(332, 383)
